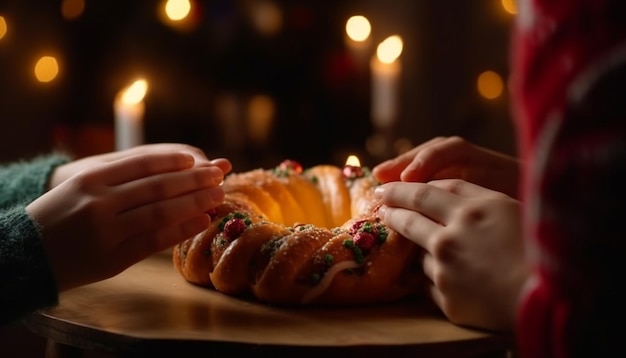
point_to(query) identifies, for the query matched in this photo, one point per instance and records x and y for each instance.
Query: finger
(410, 224)
(435, 157)
(436, 293)
(164, 186)
(223, 164)
(426, 199)
(197, 153)
(141, 246)
(169, 212)
(140, 166)
(392, 169)
(464, 188)
(438, 298)
(428, 265)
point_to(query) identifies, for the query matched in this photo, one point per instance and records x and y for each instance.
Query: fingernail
(382, 210)
(189, 159)
(379, 191)
(215, 175)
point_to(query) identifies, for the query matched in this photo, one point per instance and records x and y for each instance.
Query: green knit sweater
(26, 281)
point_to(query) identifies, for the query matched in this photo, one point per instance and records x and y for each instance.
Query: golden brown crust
(233, 273)
(374, 283)
(278, 282)
(256, 245)
(308, 196)
(335, 196)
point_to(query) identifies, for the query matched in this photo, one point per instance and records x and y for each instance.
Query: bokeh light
(261, 113)
(490, 85)
(3, 27)
(46, 69)
(72, 9)
(266, 17)
(358, 28)
(402, 145)
(390, 49)
(509, 6)
(177, 10)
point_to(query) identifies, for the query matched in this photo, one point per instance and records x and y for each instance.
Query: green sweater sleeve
(24, 181)
(26, 279)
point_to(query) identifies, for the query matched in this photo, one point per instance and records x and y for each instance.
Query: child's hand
(453, 158)
(65, 171)
(106, 217)
(474, 254)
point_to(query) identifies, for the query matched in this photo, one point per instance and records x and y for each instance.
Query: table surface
(151, 307)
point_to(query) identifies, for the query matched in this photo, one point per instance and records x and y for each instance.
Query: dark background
(321, 95)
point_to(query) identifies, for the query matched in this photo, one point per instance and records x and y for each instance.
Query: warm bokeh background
(234, 63)
(233, 67)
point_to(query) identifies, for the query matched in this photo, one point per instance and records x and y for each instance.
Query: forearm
(26, 281)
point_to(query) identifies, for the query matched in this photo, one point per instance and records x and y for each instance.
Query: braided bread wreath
(291, 237)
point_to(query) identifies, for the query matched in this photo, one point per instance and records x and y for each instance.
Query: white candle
(358, 30)
(386, 73)
(129, 110)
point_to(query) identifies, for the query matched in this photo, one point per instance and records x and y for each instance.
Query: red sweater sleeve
(569, 88)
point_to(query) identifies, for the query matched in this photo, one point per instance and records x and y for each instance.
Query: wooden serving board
(151, 306)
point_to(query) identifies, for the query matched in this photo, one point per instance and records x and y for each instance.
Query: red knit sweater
(569, 88)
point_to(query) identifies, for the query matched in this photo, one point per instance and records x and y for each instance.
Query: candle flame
(353, 161)
(390, 49)
(135, 92)
(358, 28)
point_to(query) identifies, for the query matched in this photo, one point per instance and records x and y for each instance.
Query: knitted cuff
(26, 279)
(24, 181)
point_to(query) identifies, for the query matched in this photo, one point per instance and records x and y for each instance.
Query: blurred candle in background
(358, 30)
(386, 73)
(129, 111)
(261, 115)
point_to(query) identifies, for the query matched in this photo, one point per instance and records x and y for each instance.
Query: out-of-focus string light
(3, 27)
(46, 69)
(509, 6)
(266, 17)
(490, 85)
(358, 28)
(72, 9)
(177, 10)
(179, 14)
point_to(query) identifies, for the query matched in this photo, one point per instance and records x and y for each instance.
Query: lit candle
(352, 169)
(386, 73)
(358, 30)
(129, 110)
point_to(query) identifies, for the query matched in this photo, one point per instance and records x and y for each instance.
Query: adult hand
(65, 171)
(474, 255)
(107, 217)
(453, 158)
